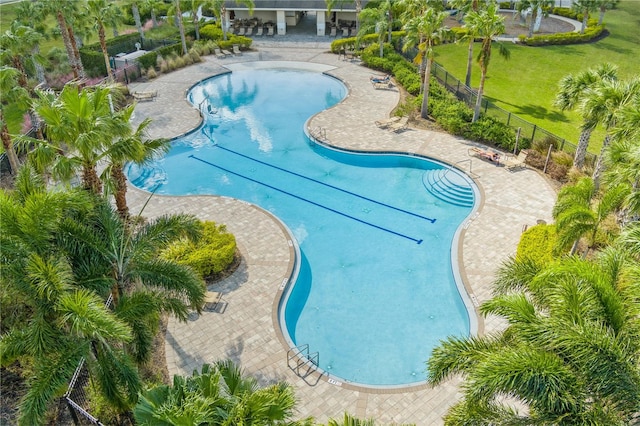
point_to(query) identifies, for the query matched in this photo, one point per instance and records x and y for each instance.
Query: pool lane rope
(418, 241)
(327, 185)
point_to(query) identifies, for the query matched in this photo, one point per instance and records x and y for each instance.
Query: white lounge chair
(270, 31)
(236, 50)
(145, 96)
(249, 32)
(259, 31)
(219, 54)
(241, 31)
(516, 162)
(399, 126)
(333, 31)
(383, 124)
(212, 299)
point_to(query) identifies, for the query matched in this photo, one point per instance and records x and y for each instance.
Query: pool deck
(245, 328)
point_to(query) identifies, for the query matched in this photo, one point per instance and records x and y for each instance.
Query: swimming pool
(375, 289)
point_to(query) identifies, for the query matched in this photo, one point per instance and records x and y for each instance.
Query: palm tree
(539, 9)
(487, 24)
(624, 169)
(428, 30)
(218, 394)
(135, 11)
(585, 7)
(78, 124)
(130, 146)
(579, 211)
(571, 94)
(219, 8)
(15, 95)
(569, 354)
(102, 12)
(605, 5)
(34, 14)
(464, 7)
(60, 321)
(374, 20)
(63, 11)
(122, 259)
(175, 14)
(193, 6)
(602, 105)
(151, 5)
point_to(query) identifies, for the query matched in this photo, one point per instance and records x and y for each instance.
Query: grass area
(527, 83)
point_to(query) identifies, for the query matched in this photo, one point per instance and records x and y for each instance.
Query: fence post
(533, 134)
(486, 106)
(126, 78)
(547, 160)
(509, 121)
(562, 144)
(458, 88)
(515, 149)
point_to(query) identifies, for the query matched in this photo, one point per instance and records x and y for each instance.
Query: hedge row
(351, 42)
(590, 33)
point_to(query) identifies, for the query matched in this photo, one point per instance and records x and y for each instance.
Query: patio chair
(518, 162)
(145, 96)
(399, 126)
(383, 124)
(236, 50)
(249, 32)
(226, 53)
(345, 32)
(354, 32)
(219, 54)
(212, 299)
(333, 31)
(270, 31)
(241, 31)
(259, 31)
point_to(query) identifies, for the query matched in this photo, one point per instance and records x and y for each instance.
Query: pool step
(449, 187)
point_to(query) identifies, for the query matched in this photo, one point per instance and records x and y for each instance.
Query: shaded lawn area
(527, 83)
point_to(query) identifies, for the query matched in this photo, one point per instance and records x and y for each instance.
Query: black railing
(531, 132)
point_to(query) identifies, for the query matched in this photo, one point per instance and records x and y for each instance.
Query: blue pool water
(375, 291)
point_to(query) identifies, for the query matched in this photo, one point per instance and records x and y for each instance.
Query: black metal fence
(530, 132)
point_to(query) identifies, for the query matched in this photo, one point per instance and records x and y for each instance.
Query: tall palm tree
(464, 7)
(60, 321)
(152, 5)
(428, 30)
(487, 24)
(194, 6)
(602, 105)
(130, 146)
(64, 11)
(569, 354)
(135, 11)
(218, 394)
(623, 158)
(219, 8)
(571, 94)
(102, 12)
(375, 21)
(34, 15)
(175, 15)
(580, 211)
(16, 96)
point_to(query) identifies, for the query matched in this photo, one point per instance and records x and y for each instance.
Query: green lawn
(527, 83)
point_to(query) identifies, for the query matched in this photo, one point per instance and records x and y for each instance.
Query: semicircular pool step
(449, 187)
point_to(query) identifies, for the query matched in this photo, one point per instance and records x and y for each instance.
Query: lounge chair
(485, 154)
(345, 32)
(259, 31)
(354, 32)
(376, 79)
(333, 31)
(212, 299)
(219, 53)
(270, 31)
(226, 52)
(516, 162)
(145, 96)
(383, 124)
(249, 32)
(241, 31)
(399, 126)
(236, 50)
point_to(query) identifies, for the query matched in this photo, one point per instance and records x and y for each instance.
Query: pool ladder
(303, 363)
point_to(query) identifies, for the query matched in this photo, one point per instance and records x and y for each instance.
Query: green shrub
(211, 255)
(563, 38)
(211, 32)
(537, 244)
(148, 59)
(489, 130)
(93, 62)
(172, 49)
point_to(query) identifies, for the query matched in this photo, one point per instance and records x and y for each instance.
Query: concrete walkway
(248, 330)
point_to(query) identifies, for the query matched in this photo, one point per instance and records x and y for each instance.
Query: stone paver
(247, 331)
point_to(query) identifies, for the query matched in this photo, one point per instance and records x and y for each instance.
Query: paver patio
(247, 331)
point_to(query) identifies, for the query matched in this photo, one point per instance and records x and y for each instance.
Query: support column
(281, 22)
(321, 23)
